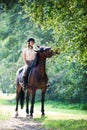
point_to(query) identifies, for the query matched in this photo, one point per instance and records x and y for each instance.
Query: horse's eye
(50, 50)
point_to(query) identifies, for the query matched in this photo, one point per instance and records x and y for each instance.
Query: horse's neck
(41, 65)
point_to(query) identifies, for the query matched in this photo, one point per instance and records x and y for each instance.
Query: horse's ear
(47, 49)
(40, 49)
(36, 48)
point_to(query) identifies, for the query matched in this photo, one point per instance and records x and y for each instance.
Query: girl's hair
(30, 39)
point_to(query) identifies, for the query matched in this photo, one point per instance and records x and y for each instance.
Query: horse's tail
(22, 98)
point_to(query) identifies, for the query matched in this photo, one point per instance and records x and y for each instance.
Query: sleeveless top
(30, 54)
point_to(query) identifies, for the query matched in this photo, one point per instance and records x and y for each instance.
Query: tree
(58, 24)
(66, 18)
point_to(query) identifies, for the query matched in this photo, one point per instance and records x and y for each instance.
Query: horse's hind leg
(42, 101)
(17, 100)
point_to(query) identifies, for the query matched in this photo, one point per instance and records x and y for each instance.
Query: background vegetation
(56, 23)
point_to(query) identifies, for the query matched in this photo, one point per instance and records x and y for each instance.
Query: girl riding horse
(37, 79)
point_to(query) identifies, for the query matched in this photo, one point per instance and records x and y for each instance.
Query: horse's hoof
(27, 115)
(43, 114)
(31, 116)
(16, 115)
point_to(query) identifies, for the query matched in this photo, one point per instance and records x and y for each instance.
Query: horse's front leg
(42, 101)
(27, 103)
(32, 102)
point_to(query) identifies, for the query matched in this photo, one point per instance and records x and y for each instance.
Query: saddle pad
(20, 72)
(21, 75)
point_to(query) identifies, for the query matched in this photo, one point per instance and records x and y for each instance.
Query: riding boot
(24, 82)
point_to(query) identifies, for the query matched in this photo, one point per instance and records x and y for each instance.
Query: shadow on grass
(41, 119)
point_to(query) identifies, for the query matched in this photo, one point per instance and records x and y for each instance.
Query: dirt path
(20, 123)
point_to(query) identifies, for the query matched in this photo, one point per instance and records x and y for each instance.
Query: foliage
(64, 82)
(67, 19)
(58, 24)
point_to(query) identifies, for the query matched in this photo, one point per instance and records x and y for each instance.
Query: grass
(62, 124)
(10, 100)
(67, 116)
(60, 116)
(7, 99)
(66, 124)
(4, 102)
(61, 107)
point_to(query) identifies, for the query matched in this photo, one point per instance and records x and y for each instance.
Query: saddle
(21, 74)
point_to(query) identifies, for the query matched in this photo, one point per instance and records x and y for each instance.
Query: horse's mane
(35, 62)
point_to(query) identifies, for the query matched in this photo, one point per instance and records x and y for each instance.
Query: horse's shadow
(36, 119)
(27, 123)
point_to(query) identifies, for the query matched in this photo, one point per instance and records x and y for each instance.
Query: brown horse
(37, 80)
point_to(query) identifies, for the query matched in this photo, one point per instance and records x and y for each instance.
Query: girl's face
(31, 43)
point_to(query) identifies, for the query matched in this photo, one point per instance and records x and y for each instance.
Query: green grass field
(59, 116)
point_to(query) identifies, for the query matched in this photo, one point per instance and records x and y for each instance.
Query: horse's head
(45, 52)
